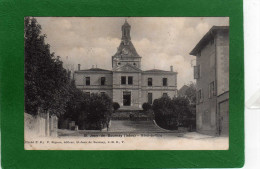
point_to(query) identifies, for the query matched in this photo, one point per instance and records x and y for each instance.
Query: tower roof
(126, 24)
(126, 47)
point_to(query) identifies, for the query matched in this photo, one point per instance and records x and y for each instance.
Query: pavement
(130, 135)
(127, 126)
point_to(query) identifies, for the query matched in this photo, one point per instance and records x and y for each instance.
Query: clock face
(125, 51)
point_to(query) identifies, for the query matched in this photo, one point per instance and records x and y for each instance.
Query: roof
(94, 69)
(159, 71)
(127, 65)
(156, 70)
(205, 39)
(182, 90)
(126, 23)
(131, 52)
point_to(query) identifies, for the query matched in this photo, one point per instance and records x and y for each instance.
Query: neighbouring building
(127, 83)
(182, 91)
(212, 80)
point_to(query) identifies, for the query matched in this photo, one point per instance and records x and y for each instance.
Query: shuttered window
(197, 72)
(211, 89)
(199, 96)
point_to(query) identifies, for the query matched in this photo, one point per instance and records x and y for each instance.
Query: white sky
(161, 41)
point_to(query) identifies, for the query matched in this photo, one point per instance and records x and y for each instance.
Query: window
(150, 98)
(134, 64)
(123, 80)
(102, 93)
(199, 96)
(211, 89)
(103, 81)
(130, 80)
(164, 81)
(165, 95)
(197, 72)
(150, 81)
(87, 81)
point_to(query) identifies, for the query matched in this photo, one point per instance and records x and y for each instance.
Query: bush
(116, 106)
(146, 106)
(172, 113)
(97, 110)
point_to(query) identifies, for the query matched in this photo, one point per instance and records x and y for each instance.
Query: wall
(125, 60)
(135, 89)
(139, 89)
(95, 81)
(206, 108)
(40, 126)
(222, 49)
(224, 115)
(157, 89)
(214, 66)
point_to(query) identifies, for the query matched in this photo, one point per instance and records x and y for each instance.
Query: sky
(160, 41)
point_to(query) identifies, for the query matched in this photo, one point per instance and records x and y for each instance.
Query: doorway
(127, 98)
(224, 118)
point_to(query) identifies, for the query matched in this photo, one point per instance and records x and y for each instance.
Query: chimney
(171, 68)
(78, 66)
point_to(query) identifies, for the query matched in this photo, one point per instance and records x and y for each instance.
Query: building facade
(127, 83)
(212, 81)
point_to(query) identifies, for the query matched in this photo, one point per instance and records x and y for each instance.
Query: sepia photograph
(126, 83)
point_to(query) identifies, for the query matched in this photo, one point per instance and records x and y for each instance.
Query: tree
(46, 81)
(146, 106)
(171, 113)
(99, 109)
(191, 93)
(116, 106)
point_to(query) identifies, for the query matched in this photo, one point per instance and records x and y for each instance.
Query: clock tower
(126, 53)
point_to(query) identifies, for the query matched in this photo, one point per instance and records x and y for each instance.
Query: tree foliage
(98, 110)
(171, 113)
(146, 106)
(48, 85)
(191, 93)
(46, 81)
(116, 106)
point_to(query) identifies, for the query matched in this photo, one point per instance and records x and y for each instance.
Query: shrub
(116, 106)
(98, 109)
(146, 106)
(171, 113)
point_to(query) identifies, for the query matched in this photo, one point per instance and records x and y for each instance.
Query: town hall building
(127, 84)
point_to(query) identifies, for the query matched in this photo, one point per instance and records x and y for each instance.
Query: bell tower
(126, 53)
(126, 31)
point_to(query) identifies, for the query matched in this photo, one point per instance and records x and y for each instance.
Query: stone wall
(40, 125)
